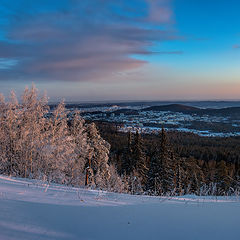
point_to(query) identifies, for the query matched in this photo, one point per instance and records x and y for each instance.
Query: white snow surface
(31, 209)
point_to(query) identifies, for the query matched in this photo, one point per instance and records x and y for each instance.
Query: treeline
(52, 146)
(175, 163)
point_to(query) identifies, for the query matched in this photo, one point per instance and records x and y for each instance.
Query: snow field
(30, 209)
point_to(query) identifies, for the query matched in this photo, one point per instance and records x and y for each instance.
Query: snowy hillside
(30, 209)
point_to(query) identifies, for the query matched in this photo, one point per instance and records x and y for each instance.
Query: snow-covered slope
(32, 210)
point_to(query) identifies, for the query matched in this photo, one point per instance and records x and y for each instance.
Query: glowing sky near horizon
(91, 50)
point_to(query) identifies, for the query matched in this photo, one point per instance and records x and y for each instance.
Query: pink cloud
(159, 11)
(70, 46)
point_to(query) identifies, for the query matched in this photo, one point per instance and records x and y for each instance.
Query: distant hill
(173, 108)
(229, 111)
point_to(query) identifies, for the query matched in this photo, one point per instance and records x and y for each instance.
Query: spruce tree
(222, 178)
(127, 158)
(162, 165)
(139, 159)
(194, 177)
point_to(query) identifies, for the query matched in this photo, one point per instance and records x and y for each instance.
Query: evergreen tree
(127, 158)
(135, 165)
(222, 178)
(194, 178)
(161, 172)
(139, 160)
(179, 174)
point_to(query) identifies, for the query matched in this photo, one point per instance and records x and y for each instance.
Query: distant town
(215, 122)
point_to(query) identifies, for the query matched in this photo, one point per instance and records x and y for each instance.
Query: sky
(105, 50)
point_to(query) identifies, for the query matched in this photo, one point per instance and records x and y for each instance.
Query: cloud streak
(236, 46)
(81, 40)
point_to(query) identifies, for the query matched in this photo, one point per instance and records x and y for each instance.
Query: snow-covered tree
(98, 157)
(3, 153)
(9, 133)
(59, 145)
(32, 125)
(76, 165)
(115, 183)
(52, 145)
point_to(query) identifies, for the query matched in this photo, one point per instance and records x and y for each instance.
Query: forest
(59, 146)
(183, 162)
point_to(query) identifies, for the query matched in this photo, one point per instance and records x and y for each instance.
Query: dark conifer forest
(175, 162)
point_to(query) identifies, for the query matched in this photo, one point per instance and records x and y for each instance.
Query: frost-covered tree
(59, 145)
(52, 145)
(3, 153)
(76, 166)
(32, 128)
(98, 157)
(9, 132)
(115, 183)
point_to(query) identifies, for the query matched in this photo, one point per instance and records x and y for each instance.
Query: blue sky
(92, 50)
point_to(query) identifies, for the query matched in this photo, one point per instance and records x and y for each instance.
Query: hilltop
(173, 108)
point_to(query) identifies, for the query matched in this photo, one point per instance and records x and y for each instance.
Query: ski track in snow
(32, 209)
